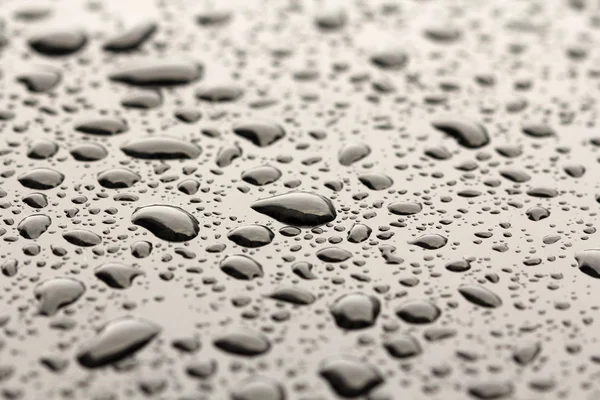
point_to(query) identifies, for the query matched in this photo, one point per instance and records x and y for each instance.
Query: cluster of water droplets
(270, 200)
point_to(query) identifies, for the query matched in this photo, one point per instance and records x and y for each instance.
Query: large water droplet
(169, 223)
(243, 342)
(258, 388)
(117, 275)
(403, 346)
(350, 377)
(82, 237)
(117, 340)
(161, 148)
(355, 311)
(292, 294)
(56, 293)
(159, 73)
(118, 178)
(480, 296)
(468, 133)
(241, 267)
(33, 226)
(303, 209)
(353, 152)
(430, 241)
(41, 179)
(261, 133)
(251, 235)
(102, 126)
(418, 312)
(58, 42)
(132, 38)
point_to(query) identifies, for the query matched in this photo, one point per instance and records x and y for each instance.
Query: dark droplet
(350, 377)
(117, 340)
(258, 388)
(102, 126)
(118, 178)
(588, 262)
(241, 267)
(117, 275)
(82, 238)
(56, 293)
(353, 152)
(59, 42)
(262, 175)
(403, 346)
(355, 311)
(468, 133)
(418, 312)
(480, 296)
(243, 342)
(132, 38)
(41, 179)
(33, 226)
(251, 235)
(303, 209)
(159, 73)
(293, 294)
(161, 148)
(169, 223)
(333, 254)
(405, 208)
(431, 241)
(261, 133)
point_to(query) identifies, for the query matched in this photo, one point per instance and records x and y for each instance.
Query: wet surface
(313, 200)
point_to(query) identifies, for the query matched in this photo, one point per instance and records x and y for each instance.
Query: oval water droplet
(117, 340)
(169, 223)
(303, 209)
(418, 312)
(243, 342)
(480, 295)
(252, 236)
(355, 311)
(161, 148)
(241, 267)
(41, 179)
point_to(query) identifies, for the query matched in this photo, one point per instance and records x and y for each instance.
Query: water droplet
(468, 133)
(82, 238)
(303, 209)
(418, 312)
(117, 275)
(431, 241)
(241, 267)
(56, 293)
(117, 340)
(41, 179)
(261, 133)
(118, 178)
(161, 148)
(159, 73)
(350, 377)
(251, 235)
(58, 42)
(169, 223)
(132, 38)
(33, 226)
(243, 342)
(480, 296)
(355, 311)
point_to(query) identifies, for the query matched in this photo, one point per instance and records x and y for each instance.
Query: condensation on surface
(284, 199)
